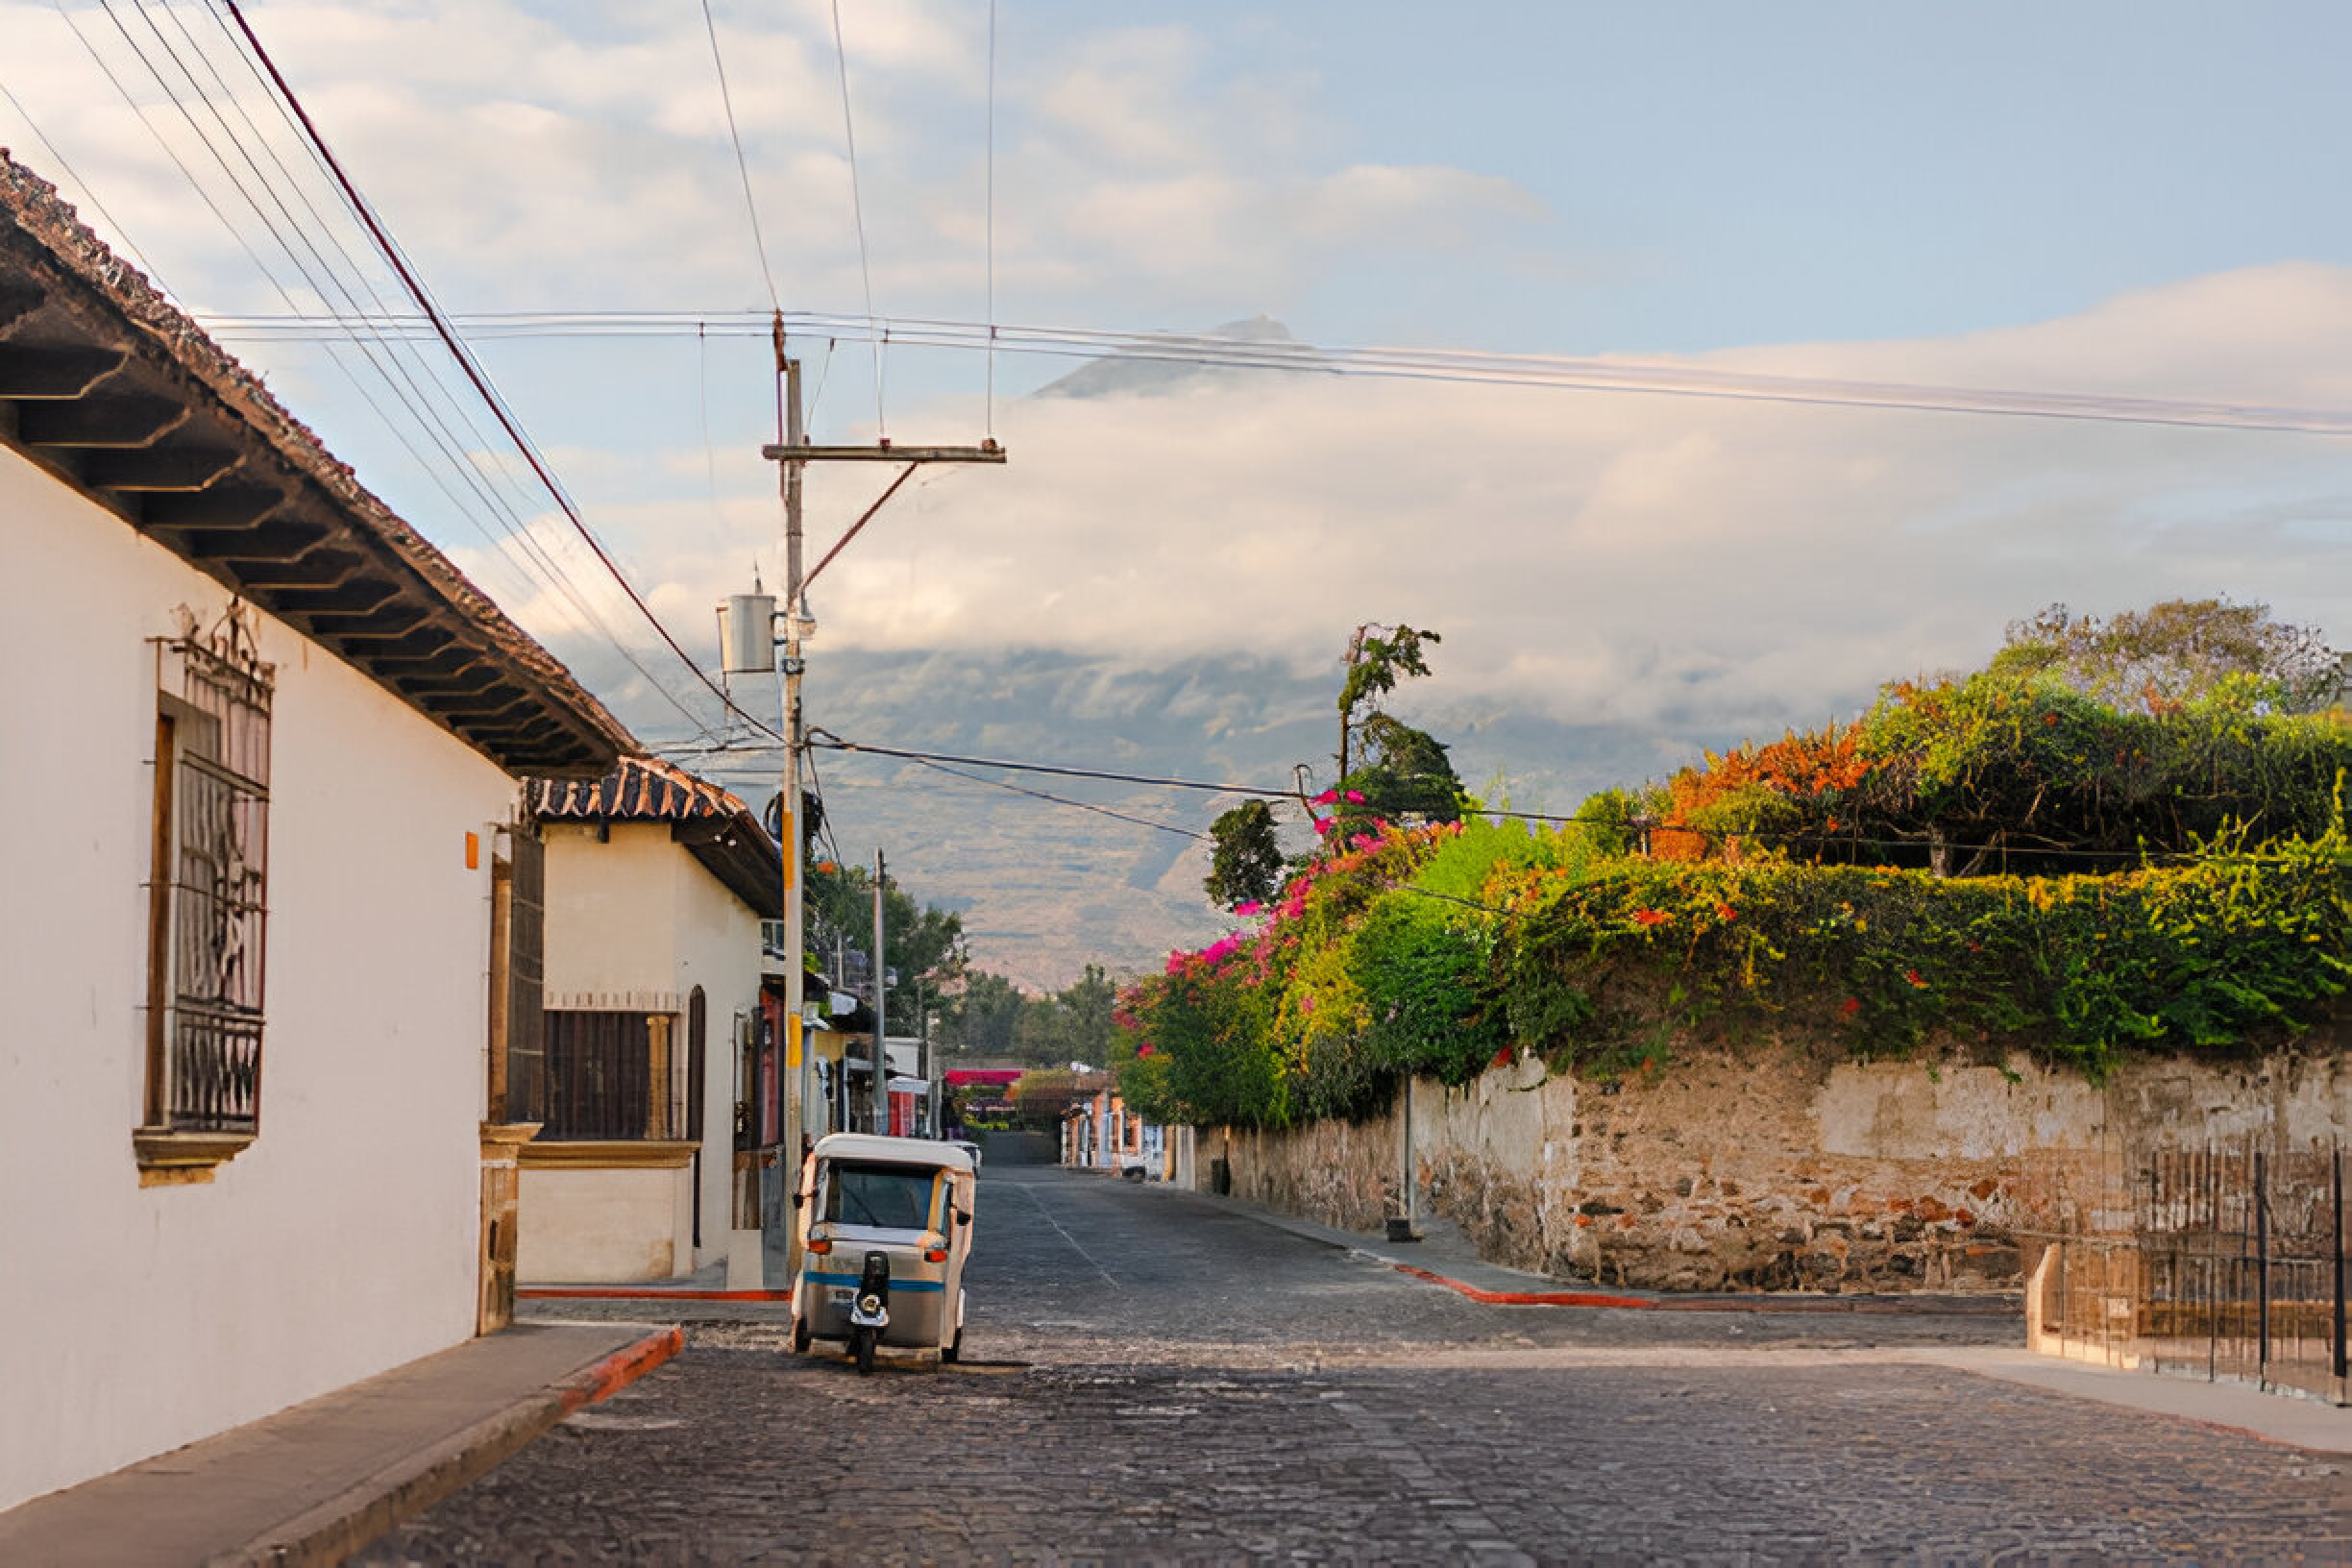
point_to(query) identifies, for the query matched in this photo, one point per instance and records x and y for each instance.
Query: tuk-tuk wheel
(800, 1337)
(955, 1349)
(862, 1347)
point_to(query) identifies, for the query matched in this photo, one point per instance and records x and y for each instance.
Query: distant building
(651, 1054)
(1099, 1133)
(983, 1094)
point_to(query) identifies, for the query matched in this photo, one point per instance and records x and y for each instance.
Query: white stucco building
(263, 750)
(656, 883)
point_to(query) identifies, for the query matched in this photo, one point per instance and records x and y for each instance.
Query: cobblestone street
(1160, 1378)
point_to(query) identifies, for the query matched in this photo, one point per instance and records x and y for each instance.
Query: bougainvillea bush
(1436, 950)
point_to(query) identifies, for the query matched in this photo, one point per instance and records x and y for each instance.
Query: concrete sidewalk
(315, 1483)
(1444, 1256)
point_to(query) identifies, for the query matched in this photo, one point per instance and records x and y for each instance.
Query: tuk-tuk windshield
(887, 1197)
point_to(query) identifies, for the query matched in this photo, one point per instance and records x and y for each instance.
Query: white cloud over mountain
(1644, 558)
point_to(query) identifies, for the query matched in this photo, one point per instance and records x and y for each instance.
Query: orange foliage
(1799, 767)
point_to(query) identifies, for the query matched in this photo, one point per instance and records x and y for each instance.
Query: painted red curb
(619, 1292)
(619, 1369)
(1526, 1298)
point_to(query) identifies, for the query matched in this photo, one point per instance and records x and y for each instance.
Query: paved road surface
(1174, 1381)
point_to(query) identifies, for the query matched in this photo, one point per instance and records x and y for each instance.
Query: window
(885, 1197)
(612, 1076)
(207, 899)
(518, 968)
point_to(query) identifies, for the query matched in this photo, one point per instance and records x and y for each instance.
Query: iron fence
(2214, 1264)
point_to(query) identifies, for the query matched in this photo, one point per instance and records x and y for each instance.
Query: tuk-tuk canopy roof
(874, 1149)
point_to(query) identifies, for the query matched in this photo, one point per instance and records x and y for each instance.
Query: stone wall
(1786, 1169)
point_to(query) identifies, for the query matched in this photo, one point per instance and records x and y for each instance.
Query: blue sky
(2125, 200)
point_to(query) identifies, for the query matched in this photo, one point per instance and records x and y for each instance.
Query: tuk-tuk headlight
(870, 1303)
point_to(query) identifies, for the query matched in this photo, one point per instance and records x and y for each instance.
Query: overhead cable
(857, 212)
(726, 101)
(827, 740)
(473, 372)
(1461, 366)
(321, 273)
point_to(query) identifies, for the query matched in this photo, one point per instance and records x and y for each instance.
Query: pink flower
(1146, 1051)
(1323, 824)
(1327, 798)
(1252, 907)
(1355, 798)
(1305, 1004)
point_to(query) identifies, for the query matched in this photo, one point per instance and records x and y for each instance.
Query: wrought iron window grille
(209, 899)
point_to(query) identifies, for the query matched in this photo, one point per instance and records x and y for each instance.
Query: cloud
(529, 160)
(1646, 558)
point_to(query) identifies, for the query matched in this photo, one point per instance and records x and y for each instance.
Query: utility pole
(881, 984)
(796, 453)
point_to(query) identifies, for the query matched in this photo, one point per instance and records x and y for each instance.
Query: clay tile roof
(640, 790)
(714, 826)
(108, 388)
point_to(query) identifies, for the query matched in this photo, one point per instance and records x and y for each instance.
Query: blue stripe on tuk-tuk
(895, 1285)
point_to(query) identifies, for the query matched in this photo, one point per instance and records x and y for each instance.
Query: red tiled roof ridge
(638, 789)
(46, 215)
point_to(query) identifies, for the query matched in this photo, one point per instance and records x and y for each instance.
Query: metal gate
(2230, 1265)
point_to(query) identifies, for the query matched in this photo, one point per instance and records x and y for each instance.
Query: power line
(827, 740)
(1064, 801)
(857, 209)
(989, 244)
(465, 362)
(424, 408)
(320, 274)
(743, 166)
(88, 193)
(1459, 366)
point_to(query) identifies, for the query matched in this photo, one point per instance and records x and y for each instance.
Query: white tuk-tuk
(886, 1225)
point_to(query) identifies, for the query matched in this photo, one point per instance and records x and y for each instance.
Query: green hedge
(1431, 951)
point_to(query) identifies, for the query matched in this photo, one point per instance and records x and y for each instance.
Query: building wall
(612, 913)
(718, 949)
(635, 918)
(344, 1240)
(1788, 1169)
(601, 1226)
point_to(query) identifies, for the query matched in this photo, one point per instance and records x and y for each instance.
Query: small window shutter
(527, 982)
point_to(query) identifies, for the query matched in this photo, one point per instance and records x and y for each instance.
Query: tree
(2175, 655)
(922, 944)
(1073, 1024)
(1246, 865)
(982, 1019)
(1378, 657)
(1405, 776)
